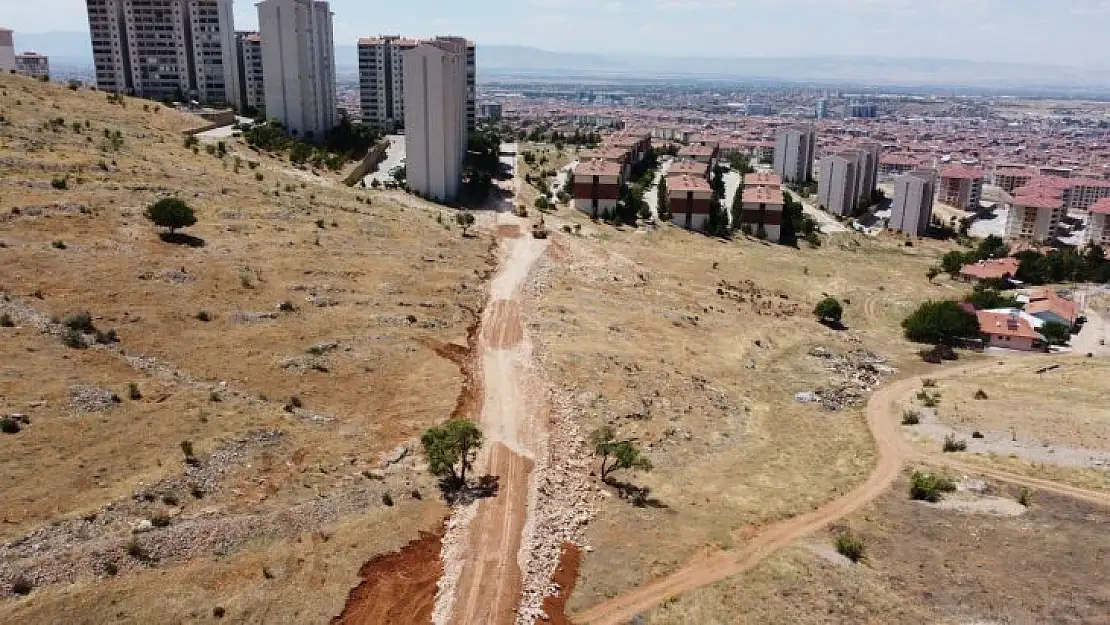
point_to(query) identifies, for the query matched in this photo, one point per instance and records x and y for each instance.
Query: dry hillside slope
(251, 443)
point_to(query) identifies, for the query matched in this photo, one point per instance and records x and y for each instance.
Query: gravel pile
(88, 399)
(857, 373)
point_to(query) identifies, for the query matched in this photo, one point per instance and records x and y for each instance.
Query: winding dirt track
(893, 451)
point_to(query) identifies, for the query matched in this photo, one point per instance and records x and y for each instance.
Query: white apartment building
(33, 64)
(252, 87)
(381, 75)
(298, 63)
(838, 182)
(912, 206)
(435, 116)
(1098, 230)
(794, 150)
(164, 49)
(7, 50)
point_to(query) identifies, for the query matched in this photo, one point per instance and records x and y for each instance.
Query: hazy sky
(1070, 32)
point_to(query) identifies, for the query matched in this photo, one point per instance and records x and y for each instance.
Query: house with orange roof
(994, 269)
(1009, 331)
(1050, 307)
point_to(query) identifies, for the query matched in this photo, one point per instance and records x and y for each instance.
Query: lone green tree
(451, 449)
(1056, 333)
(615, 454)
(738, 206)
(941, 323)
(663, 201)
(465, 220)
(829, 310)
(171, 213)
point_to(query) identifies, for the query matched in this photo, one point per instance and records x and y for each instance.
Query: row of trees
(1064, 265)
(989, 248)
(346, 142)
(452, 448)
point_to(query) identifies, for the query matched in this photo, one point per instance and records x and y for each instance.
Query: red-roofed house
(1098, 230)
(1048, 306)
(597, 186)
(700, 153)
(762, 212)
(689, 198)
(1000, 269)
(961, 187)
(762, 179)
(1009, 331)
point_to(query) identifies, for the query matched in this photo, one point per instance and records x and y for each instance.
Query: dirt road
(893, 453)
(488, 588)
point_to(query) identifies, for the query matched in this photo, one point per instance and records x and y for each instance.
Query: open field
(927, 563)
(293, 414)
(700, 364)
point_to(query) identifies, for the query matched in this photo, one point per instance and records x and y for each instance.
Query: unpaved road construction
(489, 563)
(894, 452)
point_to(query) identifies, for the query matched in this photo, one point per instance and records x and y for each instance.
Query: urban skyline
(734, 28)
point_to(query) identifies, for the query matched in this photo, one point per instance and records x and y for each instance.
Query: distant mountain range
(494, 62)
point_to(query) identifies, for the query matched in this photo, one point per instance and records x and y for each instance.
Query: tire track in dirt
(893, 453)
(486, 587)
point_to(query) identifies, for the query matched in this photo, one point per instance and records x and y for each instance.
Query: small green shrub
(187, 449)
(929, 383)
(73, 339)
(953, 445)
(133, 392)
(1025, 497)
(930, 487)
(9, 426)
(106, 338)
(82, 322)
(160, 520)
(911, 417)
(21, 586)
(204, 316)
(60, 184)
(981, 394)
(134, 549)
(111, 569)
(850, 546)
(214, 397)
(59, 245)
(6, 321)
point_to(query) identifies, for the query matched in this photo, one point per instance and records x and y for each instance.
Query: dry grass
(360, 280)
(633, 328)
(1065, 407)
(926, 564)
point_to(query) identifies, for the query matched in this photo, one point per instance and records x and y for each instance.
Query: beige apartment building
(435, 116)
(381, 77)
(912, 206)
(1035, 214)
(794, 151)
(165, 49)
(871, 153)
(252, 86)
(961, 187)
(1098, 229)
(838, 182)
(1011, 177)
(298, 65)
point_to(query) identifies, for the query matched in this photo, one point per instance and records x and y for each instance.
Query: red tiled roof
(762, 179)
(988, 269)
(1102, 206)
(1063, 308)
(598, 167)
(762, 195)
(696, 150)
(687, 167)
(685, 183)
(961, 172)
(1005, 324)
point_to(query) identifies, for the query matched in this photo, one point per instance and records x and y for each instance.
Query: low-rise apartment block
(912, 206)
(762, 208)
(690, 199)
(762, 179)
(33, 64)
(1035, 213)
(794, 151)
(597, 186)
(1098, 230)
(688, 168)
(961, 187)
(1011, 177)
